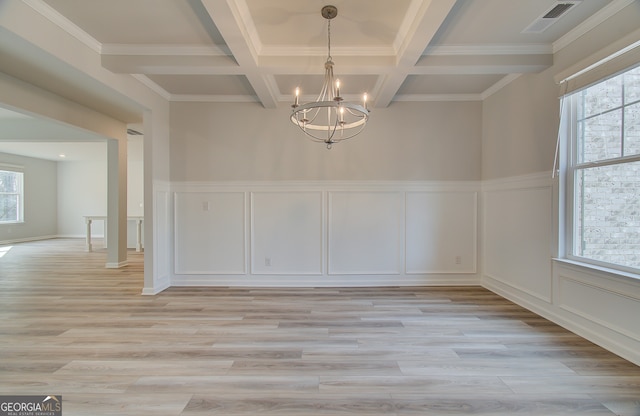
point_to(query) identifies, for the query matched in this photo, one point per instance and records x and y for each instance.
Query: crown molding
(63, 23)
(473, 50)
(152, 85)
(166, 50)
(437, 97)
(506, 80)
(279, 51)
(193, 98)
(599, 17)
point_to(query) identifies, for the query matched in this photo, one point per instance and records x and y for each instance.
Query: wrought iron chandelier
(329, 119)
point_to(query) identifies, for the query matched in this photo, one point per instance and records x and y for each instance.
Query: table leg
(139, 235)
(105, 233)
(88, 242)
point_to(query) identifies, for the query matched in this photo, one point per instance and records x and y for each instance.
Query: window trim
(4, 167)
(568, 178)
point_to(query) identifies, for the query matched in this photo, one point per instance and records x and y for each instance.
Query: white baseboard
(28, 239)
(626, 347)
(324, 280)
(116, 265)
(150, 291)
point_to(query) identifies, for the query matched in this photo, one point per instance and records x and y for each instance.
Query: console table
(88, 219)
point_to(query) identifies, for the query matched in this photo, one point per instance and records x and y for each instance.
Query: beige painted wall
(244, 141)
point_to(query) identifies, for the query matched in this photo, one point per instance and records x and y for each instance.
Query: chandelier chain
(329, 40)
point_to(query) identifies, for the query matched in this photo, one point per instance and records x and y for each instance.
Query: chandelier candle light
(329, 119)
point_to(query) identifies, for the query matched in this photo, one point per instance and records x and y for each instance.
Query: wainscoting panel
(441, 232)
(518, 237)
(600, 306)
(325, 234)
(286, 233)
(518, 229)
(365, 232)
(210, 233)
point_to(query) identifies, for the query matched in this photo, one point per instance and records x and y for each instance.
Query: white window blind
(606, 63)
(609, 62)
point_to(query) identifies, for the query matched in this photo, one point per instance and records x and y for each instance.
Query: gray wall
(520, 127)
(244, 141)
(40, 200)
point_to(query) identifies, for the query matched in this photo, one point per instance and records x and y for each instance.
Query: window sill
(588, 267)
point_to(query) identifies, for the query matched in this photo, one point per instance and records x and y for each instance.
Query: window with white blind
(11, 196)
(603, 172)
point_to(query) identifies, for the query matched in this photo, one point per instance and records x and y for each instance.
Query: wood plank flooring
(69, 326)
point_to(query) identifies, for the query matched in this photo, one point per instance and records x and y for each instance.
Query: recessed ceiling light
(62, 155)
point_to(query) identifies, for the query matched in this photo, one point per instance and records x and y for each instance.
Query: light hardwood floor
(71, 327)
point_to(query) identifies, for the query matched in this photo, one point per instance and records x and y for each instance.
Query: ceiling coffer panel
(228, 85)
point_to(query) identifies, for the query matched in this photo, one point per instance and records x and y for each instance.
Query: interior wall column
(116, 203)
(149, 214)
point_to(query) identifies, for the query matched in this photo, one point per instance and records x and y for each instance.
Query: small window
(603, 176)
(11, 196)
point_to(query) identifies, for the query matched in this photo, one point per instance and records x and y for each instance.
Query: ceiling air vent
(133, 132)
(551, 16)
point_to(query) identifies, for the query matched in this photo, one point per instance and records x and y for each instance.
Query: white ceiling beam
(227, 18)
(428, 20)
(199, 65)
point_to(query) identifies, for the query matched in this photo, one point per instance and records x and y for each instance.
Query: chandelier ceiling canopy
(329, 119)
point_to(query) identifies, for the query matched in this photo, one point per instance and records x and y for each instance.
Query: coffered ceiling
(261, 50)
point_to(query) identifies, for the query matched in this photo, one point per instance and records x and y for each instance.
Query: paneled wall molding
(517, 263)
(462, 215)
(566, 283)
(625, 346)
(365, 232)
(517, 234)
(296, 221)
(599, 307)
(210, 233)
(324, 233)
